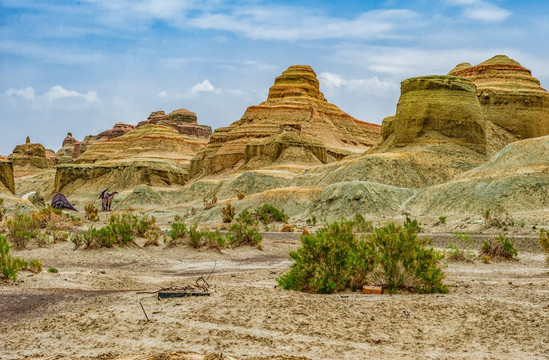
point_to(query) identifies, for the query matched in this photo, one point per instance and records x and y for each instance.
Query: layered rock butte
(151, 154)
(182, 120)
(294, 98)
(510, 96)
(30, 159)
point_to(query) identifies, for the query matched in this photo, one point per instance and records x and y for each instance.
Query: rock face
(290, 148)
(294, 98)
(152, 155)
(437, 109)
(182, 120)
(7, 181)
(30, 159)
(510, 96)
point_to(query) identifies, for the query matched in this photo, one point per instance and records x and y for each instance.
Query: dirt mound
(141, 198)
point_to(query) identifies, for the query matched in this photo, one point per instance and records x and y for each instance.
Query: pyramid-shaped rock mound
(295, 97)
(515, 180)
(152, 155)
(510, 96)
(70, 150)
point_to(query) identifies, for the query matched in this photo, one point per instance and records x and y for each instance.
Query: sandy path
(91, 308)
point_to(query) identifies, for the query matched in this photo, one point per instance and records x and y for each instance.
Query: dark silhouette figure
(59, 201)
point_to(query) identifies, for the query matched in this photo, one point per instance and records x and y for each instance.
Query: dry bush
(544, 242)
(228, 213)
(35, 266)
(210, 204)
(92, 212)
(287, 228)
(241, 195)
(306, 231)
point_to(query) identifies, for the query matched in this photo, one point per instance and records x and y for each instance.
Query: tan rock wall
(6, 176)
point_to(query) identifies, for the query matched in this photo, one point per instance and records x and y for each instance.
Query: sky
(82, 66)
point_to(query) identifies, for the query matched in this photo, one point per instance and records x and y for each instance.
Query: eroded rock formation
(70, 150)
(30, 159)
(7, 182)
(183, 120)
(295, 97)
(510, 96)
(437, 109)
(151, 154)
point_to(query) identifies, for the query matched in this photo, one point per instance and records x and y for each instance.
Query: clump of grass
(361, 225)
(500, 248)
(53, 270)
(497, 217)
(311, 220)
(2, 209)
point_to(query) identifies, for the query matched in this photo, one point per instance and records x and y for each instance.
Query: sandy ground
(91, 309)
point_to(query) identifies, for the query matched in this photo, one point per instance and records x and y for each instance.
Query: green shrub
(89, 237)
(21, 229)
(330, 260)
(441, 220)
(499, 248)
(195, 236)
(312, 220)
(244, 234)
(214, 239)
(404, 261)
(412, 225)
(53, 270)
(227, 213)
(9, 266)
(178, 230)
(334, 259)
(268, 213)
(76, 239)
(544, 242)
(246, 218)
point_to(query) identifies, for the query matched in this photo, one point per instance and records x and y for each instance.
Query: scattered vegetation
(210, 204)
(53, 270)
(244, 234)
(227, 213)
(9, 265)
(241, 195)
(544, 242)
(441, 220)
(500, 248)
(334, 259)
(312, 220)
(92, 212)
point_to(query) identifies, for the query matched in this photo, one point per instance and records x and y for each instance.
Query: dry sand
(90, 309)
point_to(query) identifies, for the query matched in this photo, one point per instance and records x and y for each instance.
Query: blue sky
(82, 66)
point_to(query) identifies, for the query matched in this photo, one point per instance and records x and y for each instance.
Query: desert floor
(91, 309)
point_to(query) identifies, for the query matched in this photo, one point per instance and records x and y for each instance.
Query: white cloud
(371, 85)
(204, 86)
(55, 93)
(481, 10)
(162, 94)
(294, 23)
(26, 93)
